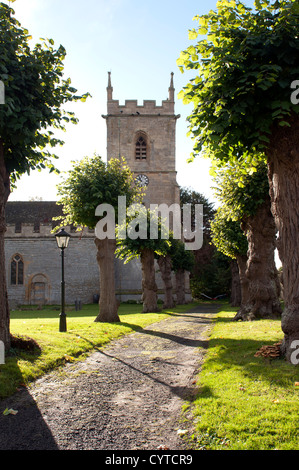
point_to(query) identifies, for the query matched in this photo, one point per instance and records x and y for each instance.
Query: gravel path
(127, 396)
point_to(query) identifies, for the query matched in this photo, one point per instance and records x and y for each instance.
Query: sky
(139, 43)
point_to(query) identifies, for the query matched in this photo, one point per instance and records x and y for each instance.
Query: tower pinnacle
(171, 88)
(109, 88)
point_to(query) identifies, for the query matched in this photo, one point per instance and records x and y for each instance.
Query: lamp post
(62, 239)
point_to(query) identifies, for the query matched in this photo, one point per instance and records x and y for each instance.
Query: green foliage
(241, 193)
(244, 66)
(180, 257)
(139, 237)
(92, 182)
(189, 196)
(227, 235)
(162, 244)
(34, 94)
(213, 278)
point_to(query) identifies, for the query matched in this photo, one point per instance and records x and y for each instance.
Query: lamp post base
(62, 322)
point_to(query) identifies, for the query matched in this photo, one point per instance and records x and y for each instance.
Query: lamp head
(62, 238)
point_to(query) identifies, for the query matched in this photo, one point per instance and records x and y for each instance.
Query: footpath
(127, 396)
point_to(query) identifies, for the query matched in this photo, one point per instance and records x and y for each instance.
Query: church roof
(31, 212)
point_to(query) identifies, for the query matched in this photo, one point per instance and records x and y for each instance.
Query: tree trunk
(149, 286)
(235, 298)
(242, 266)
(4, 309)
(108, 304)
(180, 287)
(165, 266)
(263, 300)
(283, 165)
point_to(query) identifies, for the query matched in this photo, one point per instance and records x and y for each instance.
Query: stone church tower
(145, 137)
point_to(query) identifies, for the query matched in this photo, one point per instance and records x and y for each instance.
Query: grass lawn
(245, 402)
(83, 335)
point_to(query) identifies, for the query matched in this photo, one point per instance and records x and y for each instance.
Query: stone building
(145, 136)
(33, 263)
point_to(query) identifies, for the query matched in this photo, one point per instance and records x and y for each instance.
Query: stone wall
(29, 224)
(42, 268)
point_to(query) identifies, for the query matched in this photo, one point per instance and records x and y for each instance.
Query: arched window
(17, 271)
(140, 149)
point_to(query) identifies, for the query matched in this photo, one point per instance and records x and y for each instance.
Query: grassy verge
(245, 402)
(55, 348)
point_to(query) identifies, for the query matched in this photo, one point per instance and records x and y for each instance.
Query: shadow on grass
(11, 377)
(92, 310)
(26, 430)
(231, 354)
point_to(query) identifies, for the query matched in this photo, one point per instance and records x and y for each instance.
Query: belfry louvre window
(17, 271)
(140, 150)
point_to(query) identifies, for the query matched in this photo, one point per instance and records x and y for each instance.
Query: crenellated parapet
(42, 230)
(131, 107)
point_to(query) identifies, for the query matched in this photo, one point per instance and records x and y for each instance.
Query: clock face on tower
(142, 180)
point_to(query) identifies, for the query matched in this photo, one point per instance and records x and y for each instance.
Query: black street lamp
(62, 239)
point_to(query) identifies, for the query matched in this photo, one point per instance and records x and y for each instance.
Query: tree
(34, 94)
(205, 262)
(182, 260)
(165, 266)
(140, 242)
(229, 239)
(189, 196)
(244, 110)
(246, 199)
(90, 184)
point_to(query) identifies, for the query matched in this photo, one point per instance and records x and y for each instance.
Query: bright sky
(139, 42)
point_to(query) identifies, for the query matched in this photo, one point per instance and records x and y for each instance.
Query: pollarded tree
(165, 266)
(245, 199)
(90, 184)
(245, 109)
(35, 92)
(182, 261)
(229, 239)
(205, 261)
(148, 244)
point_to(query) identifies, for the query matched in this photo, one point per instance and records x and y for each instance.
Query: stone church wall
(29, 224)
(42, 269)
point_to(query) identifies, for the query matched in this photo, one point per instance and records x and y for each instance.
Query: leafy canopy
(189, 196)
(180, 257)
(244, 64)
(140, 236)
(35, 92)
(227, 236)
(92, 182)
(241, 194)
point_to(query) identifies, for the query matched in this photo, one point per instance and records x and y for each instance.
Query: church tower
(145, 136)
